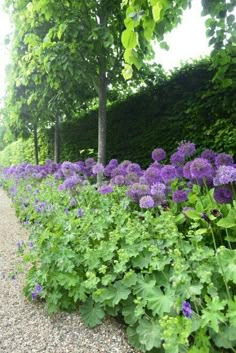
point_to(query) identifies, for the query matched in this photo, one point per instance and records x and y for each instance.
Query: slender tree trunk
(36, 147)
(102, 115)
(57, 140)
(102, 100)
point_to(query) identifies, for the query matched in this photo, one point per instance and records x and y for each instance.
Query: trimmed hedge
(186, 107)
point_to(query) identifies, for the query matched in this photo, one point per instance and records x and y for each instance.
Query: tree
(151, 19)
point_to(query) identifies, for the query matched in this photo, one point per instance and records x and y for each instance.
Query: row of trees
(69, 56)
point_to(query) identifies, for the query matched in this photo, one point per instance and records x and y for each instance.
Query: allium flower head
(177, 158)
(137, 190)
(225, 175)
(105, 189)
(209, 155)
(152, 175)
(187, 148)
(97, 168)
(158, 188)
(146, 202)
(158, 154)
(223, 159)
(200, 168)
(179, 196)
(186, 170)
(118, 180)
(131, 178)
(223, 195)
(186, 309)
(168, 173)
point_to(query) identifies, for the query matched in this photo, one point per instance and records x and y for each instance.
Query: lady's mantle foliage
(155, 246)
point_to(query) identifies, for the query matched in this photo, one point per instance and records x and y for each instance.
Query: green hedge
(185, 107)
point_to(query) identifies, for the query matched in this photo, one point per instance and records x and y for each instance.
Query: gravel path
(25, 327)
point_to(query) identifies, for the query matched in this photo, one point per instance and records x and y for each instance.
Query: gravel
(25, 327)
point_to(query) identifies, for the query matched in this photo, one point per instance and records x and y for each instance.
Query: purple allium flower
(89, 162)
(79, 213)
(97, 168)
(131, 178)
(118, 180)
(158, 188)
(158, 154)
(186, 309)
(105, 189)
(223, 159)
(200, 168)
(134, 168)
(136, 191)
(152, 175)
(179, 172)
(179, 196)
(186, 148)
(146, 202)
(168, 173)
(223, 195)
(225, 175)
(186, 170)
(209, 155)
(177, 158)
(31, 245)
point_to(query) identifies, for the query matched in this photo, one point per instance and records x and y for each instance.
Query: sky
(187, 41)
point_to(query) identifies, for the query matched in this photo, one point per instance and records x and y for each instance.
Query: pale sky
(187, 41)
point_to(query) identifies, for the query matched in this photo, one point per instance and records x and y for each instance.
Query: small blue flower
(186, 309)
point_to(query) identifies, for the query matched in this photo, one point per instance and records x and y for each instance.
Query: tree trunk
(102, 100)
(57, 140)
(36, 147)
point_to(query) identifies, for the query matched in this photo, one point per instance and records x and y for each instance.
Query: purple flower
(177, 158)
(146, 202)
(186, 148)
(179, 196)
(105, 189)
(200, 168)
(72, 202)
(186, 170)
(158, 154)
(223, 195)
(158, 188)
(131, 178)
(152, 175)
(31, 245)
(186, 309)
(134, 168)
(209, 155)
(89, 162)
(36, 291)
(118, 180)
(79, 213)
(168, 173)
(225, 175)
(97, 168)
(223, 159)
(136, 191)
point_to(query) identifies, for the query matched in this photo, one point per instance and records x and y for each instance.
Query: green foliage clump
(102, 255)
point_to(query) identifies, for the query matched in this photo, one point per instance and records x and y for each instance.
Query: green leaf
(144, 287)
(156, 11)
(159, 302)
(149, 333)
(225, 338)
(231, 313)
(133, 338)
(127, 72)
(228, 260)
(91, 313)
(212, 315)
(129, 39)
